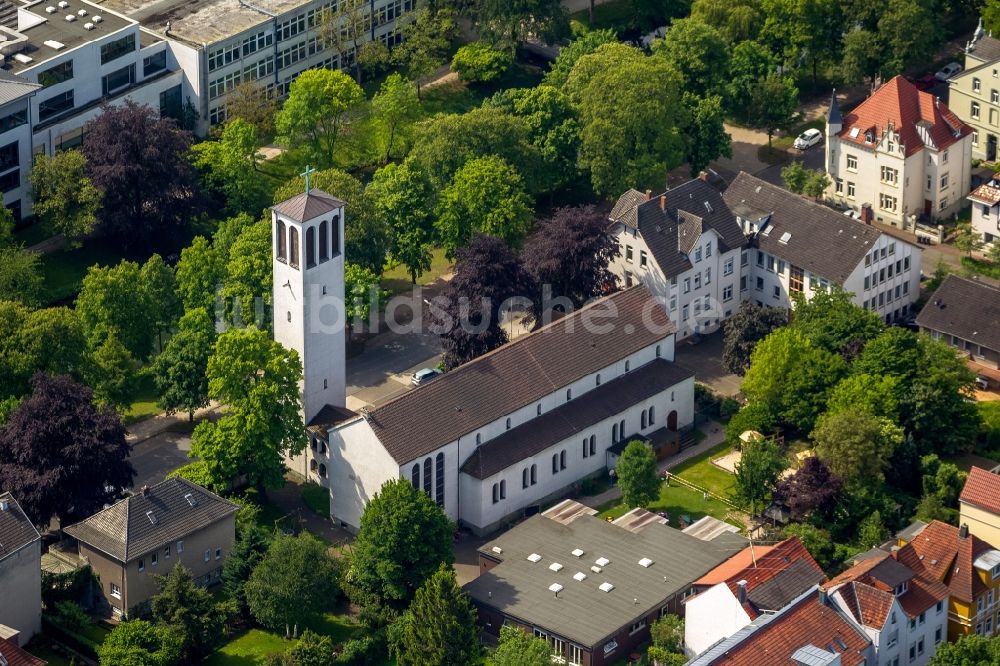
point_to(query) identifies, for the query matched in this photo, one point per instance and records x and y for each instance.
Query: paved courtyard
(705, 361)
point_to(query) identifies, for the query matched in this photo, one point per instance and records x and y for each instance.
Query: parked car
(925, 82)
(850, 212)
(808, 139)
(424, 375)
(948, 71)
(982, 383)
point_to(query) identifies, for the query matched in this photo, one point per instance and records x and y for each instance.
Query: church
(492, 440)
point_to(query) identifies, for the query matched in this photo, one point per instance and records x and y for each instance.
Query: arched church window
(427, 476)
(496, 493)
(281, 242)
(534, 474)
(322, 470)
(439, 479)
(335, 235)
(651, 413)
(310, 247)
(593, 445)
(312, 443)
(293, 249)
(642, 419)
(313, 465)
(562, 459)
(322, 447)
(415, 476)
(503, 490)
(524, 477)
(324, 241)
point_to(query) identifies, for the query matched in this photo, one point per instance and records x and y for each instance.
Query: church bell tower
(308, 293)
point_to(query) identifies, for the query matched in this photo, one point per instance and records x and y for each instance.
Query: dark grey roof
(986, 49)
(330, 415)
(581, 612)
(965, 308)
(820, 240)
(151, 518)
(670, 233)
(833, 116)
(624, 209)
(308, 205)
(518, 374)
(577, 415)
(16, 531)
(891, 572)
(779, 591)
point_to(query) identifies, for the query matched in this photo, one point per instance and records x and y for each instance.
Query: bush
(479, 61)
(989, 429)
(73, 586)
(728, 407)
(70, 638)
(982, 267)
(197, 473)
(360, 651)
(70, 615)
(751, 417)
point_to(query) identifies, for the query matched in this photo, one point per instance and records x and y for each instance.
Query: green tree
(553, 129)
(6, 226)
(159, 284)
(699, 52)
(506, 23)
(706, 136)
(294, 582)
(229, 167)
(750, 62)
(479, 62)
(426, 40)
(112, 301)
(909, 30)
(856, 445)
(312, 649)
(139, 643)
(792, 377)
(257, 379)
(756, 474)
(439, 628)
(583, 45)
(228, 231)
(445, 143)
(249, 276)
(637, 475)
(816, 183)
(794, 176)
(816, 540)
(993, 253)
(971, 650)
(113, 374)
(871, 531)
(773, 103)
(739, 21)
(189, 611)
(862, 56)
(251, 102)
(519, 648)
(667, 635)
(395, 107)
(803, 30)
(21, 277)
(51, 340)
(874, 394)
(345, 29)
(180, 371)
(943, 479)
(486, 195)
(321, 105)
(403, 538)
(967, 239)
(631, 116)
(832, 321)
(247, 551)
(361, 291)
(65, 199)
(402, 201)
(199, 275)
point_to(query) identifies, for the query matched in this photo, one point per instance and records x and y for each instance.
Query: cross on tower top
(306, 173)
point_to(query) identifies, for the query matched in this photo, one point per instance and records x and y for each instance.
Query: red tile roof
(987, 193)
(15, 656)
(734, 566)
(939, 553)
(807, 622)
(982, 489)
(900, 103)
(868, 586)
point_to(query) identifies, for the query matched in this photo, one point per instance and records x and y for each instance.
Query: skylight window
(605, 587)
(785, 237)
(579, 576)
(602, 561)
(645, 562)
(577, 552)
(534, 557)
(190, 499)
(152, 518)
(555, 587)
(555, 566)
(855, 131)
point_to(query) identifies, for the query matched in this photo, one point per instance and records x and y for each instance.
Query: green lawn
(677, 500)
(252, 647)
(144, 403)
(32, 234)
(397, 281)
(459, 97)
(701, 472)
(43, 648)
(317, 498)
(64, 270)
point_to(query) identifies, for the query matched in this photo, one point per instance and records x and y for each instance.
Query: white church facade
(495, 438)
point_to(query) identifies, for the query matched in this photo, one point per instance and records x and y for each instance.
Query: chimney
(144, 491)
(663, 202)
(703, 176)
(4, 504)
(649, 194)
(867, 215)
(823, 597)
(741, 592)
(963, 531)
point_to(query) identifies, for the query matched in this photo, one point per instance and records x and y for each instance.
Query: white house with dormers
(902, 152)
(755, 241)
(903, 613)
(489, 440)
(986, 211)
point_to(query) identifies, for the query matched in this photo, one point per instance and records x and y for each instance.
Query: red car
(925, 82)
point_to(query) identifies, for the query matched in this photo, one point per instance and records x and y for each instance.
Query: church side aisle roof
(519, 373)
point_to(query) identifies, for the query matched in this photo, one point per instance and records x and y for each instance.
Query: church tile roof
(900, 102)
(308, 205)
(574, 417)
(16, 530)
(982, 489)
(151, 518)
(519, 373)
(802, 232)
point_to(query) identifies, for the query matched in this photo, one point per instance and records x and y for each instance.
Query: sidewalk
(715, 434)
(142, 430)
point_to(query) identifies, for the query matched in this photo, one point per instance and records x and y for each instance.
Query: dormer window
(900, 589)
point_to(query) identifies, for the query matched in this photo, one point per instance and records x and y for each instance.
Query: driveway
(705, 361)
